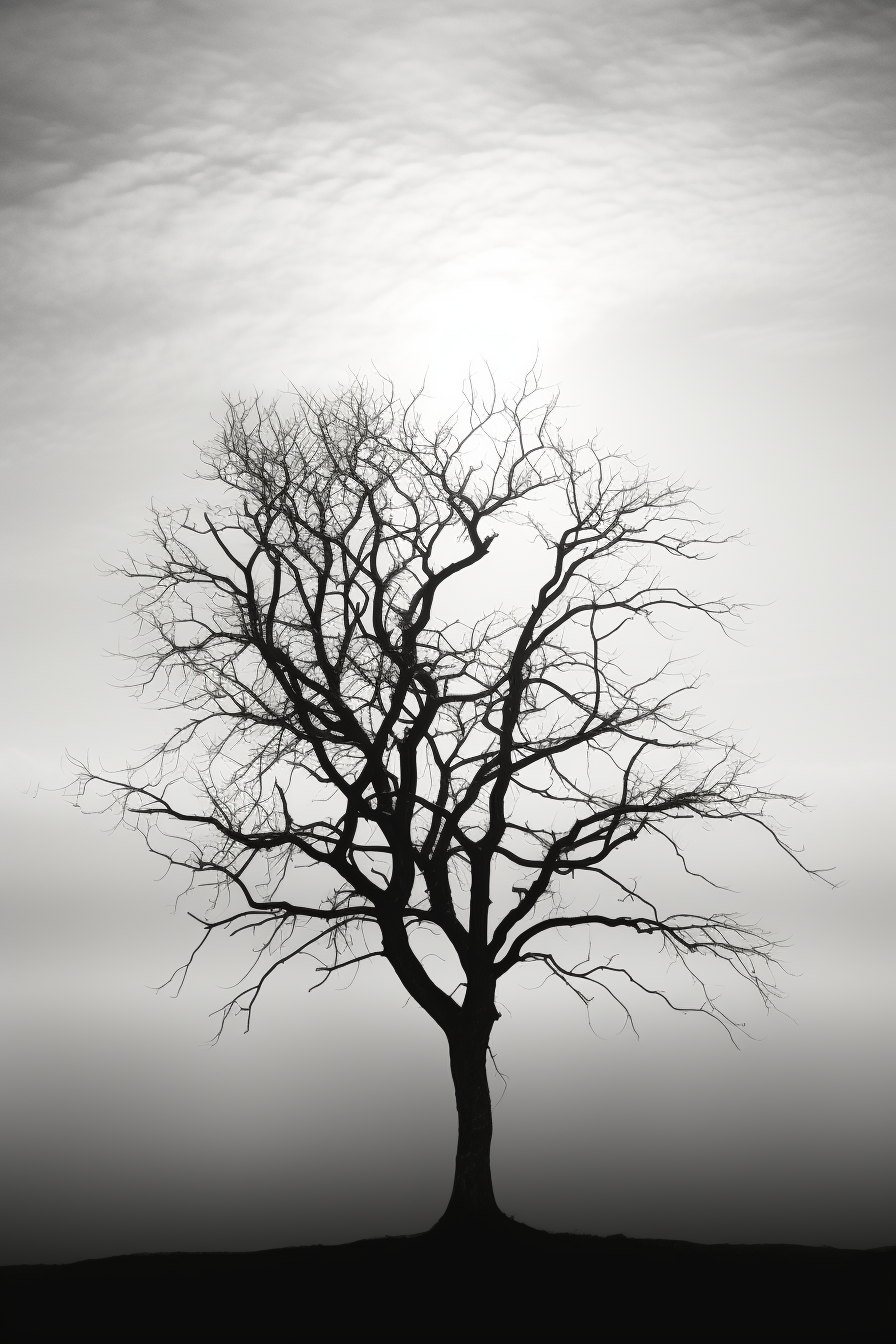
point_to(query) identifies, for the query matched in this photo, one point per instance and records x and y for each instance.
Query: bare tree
(347, 709)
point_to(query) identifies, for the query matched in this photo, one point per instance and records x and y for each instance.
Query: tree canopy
(359, 695)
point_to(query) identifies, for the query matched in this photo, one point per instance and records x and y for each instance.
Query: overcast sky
(686, 210)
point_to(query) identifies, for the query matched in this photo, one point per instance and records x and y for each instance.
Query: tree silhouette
(347, 707)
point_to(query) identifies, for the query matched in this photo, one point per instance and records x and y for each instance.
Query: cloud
(230, 167)
(209, 194)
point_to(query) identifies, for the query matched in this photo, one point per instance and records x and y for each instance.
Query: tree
(453, 771)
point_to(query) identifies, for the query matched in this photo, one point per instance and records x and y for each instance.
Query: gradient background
(688, 209)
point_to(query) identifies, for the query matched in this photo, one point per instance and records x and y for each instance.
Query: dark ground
(513, 1283)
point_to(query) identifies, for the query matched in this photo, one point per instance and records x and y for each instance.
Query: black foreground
(513, 1282)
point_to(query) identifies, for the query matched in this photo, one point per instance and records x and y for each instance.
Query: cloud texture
(459, 170)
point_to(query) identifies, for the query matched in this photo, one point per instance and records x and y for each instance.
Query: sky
(685, 212)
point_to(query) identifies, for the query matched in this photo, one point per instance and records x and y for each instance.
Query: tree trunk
(472, 1198)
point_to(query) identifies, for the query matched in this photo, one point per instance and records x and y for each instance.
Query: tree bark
(472, 1201)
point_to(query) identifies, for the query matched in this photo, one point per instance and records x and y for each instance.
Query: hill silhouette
(510, 1282)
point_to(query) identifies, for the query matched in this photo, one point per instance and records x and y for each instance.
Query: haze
(685, 211)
